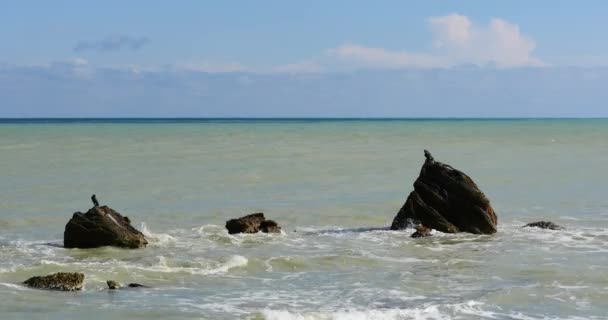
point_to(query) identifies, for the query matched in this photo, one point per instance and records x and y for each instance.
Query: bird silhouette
(428, 155)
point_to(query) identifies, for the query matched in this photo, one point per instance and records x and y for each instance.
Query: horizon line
(305, 118)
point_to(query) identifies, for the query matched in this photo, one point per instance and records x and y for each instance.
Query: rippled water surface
(334, 186)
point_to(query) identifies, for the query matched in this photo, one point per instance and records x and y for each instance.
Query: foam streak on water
(334, 186)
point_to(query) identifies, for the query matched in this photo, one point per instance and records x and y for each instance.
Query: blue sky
(234, 46)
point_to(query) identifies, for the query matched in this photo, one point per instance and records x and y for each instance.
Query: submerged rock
(113, 285)
(544, 225)
(252, 223)
(101, 226)
(421, 232)
(446, 200)
(60, 281)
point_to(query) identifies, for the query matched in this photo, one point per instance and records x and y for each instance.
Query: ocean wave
(582, 238)
(14, 286)
(466, 310)
(156, 239)
(161, 266)
(430, 312)
(210, 268)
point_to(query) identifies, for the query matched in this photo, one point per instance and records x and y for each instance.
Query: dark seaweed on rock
(101, 226)
(446, 200)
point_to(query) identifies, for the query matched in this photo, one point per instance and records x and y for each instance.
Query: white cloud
(77, 67)
(456, 41)
(307, 66)
(501, 43)
(211, 66)
(382, 58)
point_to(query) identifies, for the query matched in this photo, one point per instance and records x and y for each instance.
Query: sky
(303, 59)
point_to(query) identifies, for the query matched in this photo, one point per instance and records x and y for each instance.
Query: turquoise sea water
(334, 186)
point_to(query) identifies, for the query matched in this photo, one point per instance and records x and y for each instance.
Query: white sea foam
(157, 239)
(212, 268)
(428, 312)
(401, 260)
(208, 268)
(13, 286)
(466, 310)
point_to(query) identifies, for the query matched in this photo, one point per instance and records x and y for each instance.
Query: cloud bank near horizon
(469, 70)
(455, 41)
(77, 90)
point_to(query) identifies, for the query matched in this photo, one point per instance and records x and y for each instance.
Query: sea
(334, 185)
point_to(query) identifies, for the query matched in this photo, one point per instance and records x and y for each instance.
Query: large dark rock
(252, 223)
(446, 200)
(60, 281)
(101, 226)
(544, 225)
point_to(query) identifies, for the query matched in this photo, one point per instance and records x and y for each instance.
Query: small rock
(270, 226)
(544, 225)
(61, 281)
(113, 285)
(421, 231)
(252, 223)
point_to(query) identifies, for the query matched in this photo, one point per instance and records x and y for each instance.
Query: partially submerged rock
(252, 223)
(421, 232)
(101, 226)
(544, 225)
(113, 285)
(60, 281)
(446, 200)
(270, 226)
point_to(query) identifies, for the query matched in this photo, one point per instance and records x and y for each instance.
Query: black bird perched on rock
(94, 199)
(428, 155)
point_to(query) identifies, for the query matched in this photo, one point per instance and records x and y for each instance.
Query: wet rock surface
(113, 285)
(252, 223)
(421, 232)
(101, 226)
(60, 281)
(270, 226)
(544, 225)
(446, 200)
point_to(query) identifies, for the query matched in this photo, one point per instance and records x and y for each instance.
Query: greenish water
(334, 186)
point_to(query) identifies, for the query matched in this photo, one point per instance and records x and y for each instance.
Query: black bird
(94, 199)
(428, 155)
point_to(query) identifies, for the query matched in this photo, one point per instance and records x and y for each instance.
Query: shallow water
(334, 186)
